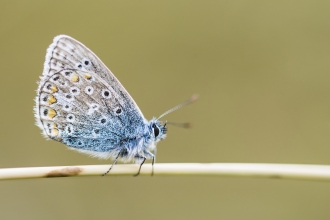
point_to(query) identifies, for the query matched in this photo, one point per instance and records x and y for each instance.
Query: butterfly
(81, 104)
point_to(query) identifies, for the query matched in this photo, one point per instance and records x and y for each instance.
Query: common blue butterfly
(81, 104)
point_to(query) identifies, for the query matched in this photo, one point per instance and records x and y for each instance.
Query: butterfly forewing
(67, 53)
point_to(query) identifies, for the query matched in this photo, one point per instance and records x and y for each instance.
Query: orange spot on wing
(54, 132)
(51, 113)
(51, 99)
(87, 76)
(54, 89)
(75, 78)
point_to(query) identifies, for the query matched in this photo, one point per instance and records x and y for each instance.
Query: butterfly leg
(143, 160)
(153, 162)
(149, 155)
(115, 161)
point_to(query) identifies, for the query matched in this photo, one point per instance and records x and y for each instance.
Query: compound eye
(156, 130)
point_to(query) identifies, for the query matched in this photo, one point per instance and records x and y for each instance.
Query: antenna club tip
(187, 125)
(194, 97)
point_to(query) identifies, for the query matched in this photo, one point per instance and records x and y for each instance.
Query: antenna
(189, 101)
(180, 125)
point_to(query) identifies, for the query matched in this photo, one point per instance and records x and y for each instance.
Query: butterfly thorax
(141, 146)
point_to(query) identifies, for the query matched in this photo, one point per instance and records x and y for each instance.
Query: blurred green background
(263, 74)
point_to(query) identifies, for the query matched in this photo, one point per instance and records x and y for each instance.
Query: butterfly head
(158, 129)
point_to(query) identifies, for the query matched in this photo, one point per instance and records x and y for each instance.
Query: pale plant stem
(274, 171)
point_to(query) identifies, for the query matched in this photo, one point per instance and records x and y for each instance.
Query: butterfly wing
(68, 53)
(82, 104)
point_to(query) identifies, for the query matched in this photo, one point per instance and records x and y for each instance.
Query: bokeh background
(262, 69)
